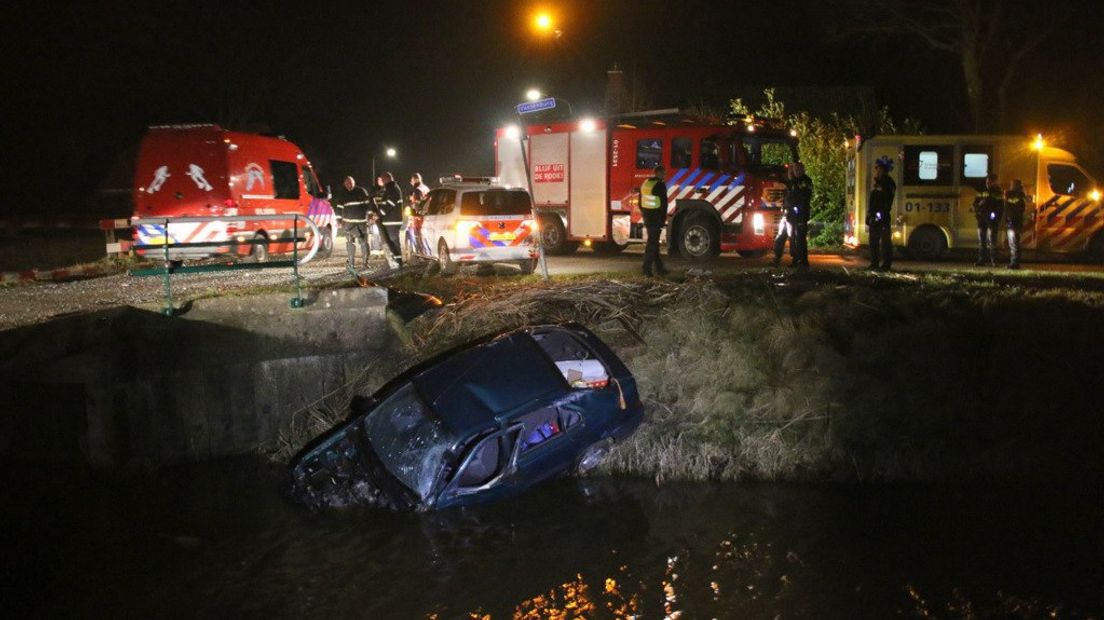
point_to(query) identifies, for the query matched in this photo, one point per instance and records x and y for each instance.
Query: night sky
(432, 79)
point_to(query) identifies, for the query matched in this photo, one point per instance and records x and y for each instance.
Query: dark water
(218, 541)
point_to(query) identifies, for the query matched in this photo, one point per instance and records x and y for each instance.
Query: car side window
(538, 427)
(432, 202)
(483, 464)
(447, 202)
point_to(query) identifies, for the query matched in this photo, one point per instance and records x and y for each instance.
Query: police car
(473, 221)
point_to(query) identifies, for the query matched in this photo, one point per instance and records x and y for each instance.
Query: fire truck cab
(204, 170)
(938, 177)
(724, 182)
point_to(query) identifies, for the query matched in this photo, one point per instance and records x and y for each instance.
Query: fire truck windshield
(767, 150)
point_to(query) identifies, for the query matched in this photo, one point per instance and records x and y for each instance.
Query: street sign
(536, 106)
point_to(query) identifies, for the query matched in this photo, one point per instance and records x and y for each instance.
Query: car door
(549, 442)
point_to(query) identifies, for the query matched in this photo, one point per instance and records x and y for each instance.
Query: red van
(204, 170)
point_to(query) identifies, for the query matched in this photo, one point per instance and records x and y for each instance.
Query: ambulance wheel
(259, 254)
(699, 237)
(448, 266)
(608, 248)
(326, 249)
(554, 236)
(927, 243)
(527, 266)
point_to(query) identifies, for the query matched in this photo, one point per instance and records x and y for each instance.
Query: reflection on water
(218, 541)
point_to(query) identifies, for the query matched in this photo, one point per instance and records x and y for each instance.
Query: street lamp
(390, 152)
(532, 94)
(544, 23)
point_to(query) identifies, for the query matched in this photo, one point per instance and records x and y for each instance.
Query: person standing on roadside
(1015, 203)
(800, 193)
(784, 233)
(988, 209)
(388, 210)
(418, 193)
(878, 214)
(352, 202)
(653, 208)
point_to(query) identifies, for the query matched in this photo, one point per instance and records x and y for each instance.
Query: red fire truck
(204, 170)
(725, 182)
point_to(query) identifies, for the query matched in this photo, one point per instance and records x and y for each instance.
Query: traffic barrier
(172, 266)
(112, 245)
(51, 275)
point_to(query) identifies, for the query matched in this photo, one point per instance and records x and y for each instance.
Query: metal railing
(170, 267)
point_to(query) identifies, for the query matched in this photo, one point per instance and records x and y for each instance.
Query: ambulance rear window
(495, 202)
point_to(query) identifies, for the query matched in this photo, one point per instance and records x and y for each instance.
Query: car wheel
(326, 249)
(448, 266)
(927, 243)
(592, 457)
(699, 237)
(527, 266)
(259, 253)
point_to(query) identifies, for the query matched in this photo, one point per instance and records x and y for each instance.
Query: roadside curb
(52, 275)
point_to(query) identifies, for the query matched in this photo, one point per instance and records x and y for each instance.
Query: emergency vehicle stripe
(739, 189)
(1081, 207)
(689, 182)
(731, 211)
(720, 181)
(1061, 207)
(522, 234)
(717, 192)
(689, 187)
(678, 175)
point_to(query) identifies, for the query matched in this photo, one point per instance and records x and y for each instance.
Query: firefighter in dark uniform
(1015, 203)
(878, 213)
(784, 234)
(353, 203)
(387, 202)
(653, 208)
(800, 193)
(988, 209)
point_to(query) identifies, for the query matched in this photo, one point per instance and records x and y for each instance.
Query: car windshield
(495, 202)
(408, 439)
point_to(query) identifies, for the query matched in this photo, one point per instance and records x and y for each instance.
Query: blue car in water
(476, 424)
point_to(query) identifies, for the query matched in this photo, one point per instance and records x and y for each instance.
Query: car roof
(469, 389)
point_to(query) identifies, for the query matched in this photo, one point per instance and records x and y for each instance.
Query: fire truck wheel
(927, 243)
(448, 266)
(554, 236)
(327, 243)
(260, 248)
(699, 238)
(608, 248)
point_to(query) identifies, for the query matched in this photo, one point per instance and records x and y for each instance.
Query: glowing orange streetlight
(544, 23)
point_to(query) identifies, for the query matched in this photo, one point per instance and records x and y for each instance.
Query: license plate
(503, 236)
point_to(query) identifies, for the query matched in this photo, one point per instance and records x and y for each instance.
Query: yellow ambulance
(938, 177)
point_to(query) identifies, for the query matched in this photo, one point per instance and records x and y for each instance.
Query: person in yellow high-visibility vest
(653, 208)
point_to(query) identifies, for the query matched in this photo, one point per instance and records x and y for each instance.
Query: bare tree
(990, 38)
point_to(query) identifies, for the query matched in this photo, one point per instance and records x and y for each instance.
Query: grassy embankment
(818, 376)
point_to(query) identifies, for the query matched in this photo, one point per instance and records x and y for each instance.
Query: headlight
(758, 223)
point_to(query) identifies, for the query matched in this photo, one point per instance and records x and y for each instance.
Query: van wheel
(448, 266)
(527, 266)
(699, 237)
(326, 250)
(927, 244)
(259, 253)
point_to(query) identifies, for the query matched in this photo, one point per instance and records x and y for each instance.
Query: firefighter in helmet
(653, 208)
(800, 197)
(1015, 203)
(988, 209)
(878, 213)
(388, 211)
(352, 203)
